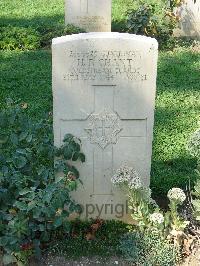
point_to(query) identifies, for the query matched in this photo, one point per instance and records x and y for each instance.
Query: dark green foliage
(152, 18)
(48, 33)
(34, 197)
(22, 38)
(148, 249)
(16, 38)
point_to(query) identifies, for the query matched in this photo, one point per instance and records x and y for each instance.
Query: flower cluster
(176, 194)
(156, 218)
(127, 175)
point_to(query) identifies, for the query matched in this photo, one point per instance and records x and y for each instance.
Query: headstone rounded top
(90, 15)
(102, 35)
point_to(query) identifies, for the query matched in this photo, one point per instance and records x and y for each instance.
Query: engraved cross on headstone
(84, 6)
(104, 128)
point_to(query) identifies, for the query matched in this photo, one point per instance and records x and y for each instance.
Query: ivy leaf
(75, 156)
(23, 135)
(3, 120)
(67, 153)
(57, 222)
(29, 138)
(24, 191)
(45, 236)
(14, 138)
(20, 162)
(36, 213)
(3, 138)
(82, 157)
(76, 147)
(47, 197)
(68, 138)
(41, 227)
(21, 151)
(21, 205)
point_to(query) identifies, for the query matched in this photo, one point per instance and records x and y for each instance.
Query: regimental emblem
(103, 128)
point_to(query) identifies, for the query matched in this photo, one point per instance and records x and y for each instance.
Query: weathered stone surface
(91, 15)
(104, 87)
(189, 14)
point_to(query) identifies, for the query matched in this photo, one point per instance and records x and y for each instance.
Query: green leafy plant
(32, 38)
(35, 200)
(17, 38)
(148, 249)
(153, 18)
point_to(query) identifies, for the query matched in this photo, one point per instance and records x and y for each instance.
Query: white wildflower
(135, 183)
(176, 194)
(127, 175)
(156, 218)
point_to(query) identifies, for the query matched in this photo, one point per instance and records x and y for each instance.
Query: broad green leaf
(68, 152)
(68, 138)
(41, 227)
(21, 205)
(14, 138)
(20, 161)
(45, 236)
(21, 151)
(47, 197)
(57, 222)
(29, 138)
(23, 135)
(82, 157)
(3, 138)
(75, 156)
(25, 191)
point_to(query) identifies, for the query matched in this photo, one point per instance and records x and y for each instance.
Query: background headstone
(189, 14)
(91, 15)
(104, 87)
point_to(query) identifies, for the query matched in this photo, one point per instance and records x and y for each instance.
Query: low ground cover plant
(35, 197)
(92, 238)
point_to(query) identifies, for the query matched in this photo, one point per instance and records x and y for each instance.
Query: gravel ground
(61, 261)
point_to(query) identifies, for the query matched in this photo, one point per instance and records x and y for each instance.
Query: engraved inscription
(94, 22)
(106, 65)
(103, 128)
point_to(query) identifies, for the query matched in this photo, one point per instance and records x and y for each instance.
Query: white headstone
(104, 87)
(91, 15)
(189, 14)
